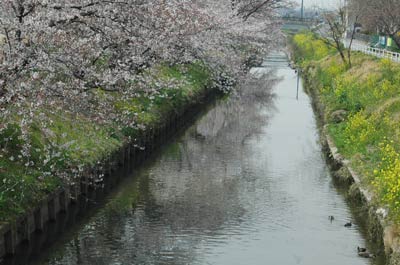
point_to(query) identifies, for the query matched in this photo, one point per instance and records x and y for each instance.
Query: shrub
(370, 136)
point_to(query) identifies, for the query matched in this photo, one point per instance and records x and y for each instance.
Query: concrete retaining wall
(60, 201)
(381, 231)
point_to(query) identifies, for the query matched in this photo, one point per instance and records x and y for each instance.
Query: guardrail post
(380, 53)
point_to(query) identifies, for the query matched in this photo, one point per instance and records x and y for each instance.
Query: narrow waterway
(247, 184)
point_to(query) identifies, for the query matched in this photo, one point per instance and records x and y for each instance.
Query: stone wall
(380, 230)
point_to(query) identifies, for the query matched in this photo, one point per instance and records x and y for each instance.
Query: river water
(247, 184)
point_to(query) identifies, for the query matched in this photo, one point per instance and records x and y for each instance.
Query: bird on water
(362, 252)
(361, 249)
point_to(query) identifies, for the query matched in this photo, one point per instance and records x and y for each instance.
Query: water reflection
(245, 185)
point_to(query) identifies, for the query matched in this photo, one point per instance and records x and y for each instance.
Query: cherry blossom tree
(53, 54)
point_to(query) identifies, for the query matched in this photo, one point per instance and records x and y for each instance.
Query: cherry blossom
(55, 54)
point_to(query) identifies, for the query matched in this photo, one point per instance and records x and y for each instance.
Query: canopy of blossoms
(54, 52)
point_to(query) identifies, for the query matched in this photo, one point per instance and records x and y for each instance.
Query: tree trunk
(343, 56)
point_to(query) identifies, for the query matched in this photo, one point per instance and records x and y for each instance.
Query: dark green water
(246, 184)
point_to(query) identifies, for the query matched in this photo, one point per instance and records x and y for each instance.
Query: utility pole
(346, 8)
(302, 9)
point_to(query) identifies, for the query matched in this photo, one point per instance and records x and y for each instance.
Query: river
(247, 184)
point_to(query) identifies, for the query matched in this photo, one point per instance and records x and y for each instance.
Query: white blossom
(55, 54)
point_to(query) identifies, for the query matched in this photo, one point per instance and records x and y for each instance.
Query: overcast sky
(320, 3)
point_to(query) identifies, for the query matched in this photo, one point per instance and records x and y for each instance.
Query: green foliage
(308, 47)
(370, 136)
(344, 90)
(191, 80)
(78, 140)
(10, 139)
(21, 187)
(83, 140)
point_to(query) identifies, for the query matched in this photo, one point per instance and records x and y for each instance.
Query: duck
(359, 250)
(366, 254)
(349, 224)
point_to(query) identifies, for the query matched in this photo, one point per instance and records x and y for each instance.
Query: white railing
(381, 53)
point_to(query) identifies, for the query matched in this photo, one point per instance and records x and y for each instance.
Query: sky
(320, 3)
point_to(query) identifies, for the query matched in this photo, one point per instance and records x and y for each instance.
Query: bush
(370, 93)
(309, 47)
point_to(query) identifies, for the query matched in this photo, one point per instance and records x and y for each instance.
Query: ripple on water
(246, 184)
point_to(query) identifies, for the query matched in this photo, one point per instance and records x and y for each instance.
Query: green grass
(370, 93)
(192, 79)
(79, 140)
(21, 188)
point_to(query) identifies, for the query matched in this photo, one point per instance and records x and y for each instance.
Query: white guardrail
(381, 53)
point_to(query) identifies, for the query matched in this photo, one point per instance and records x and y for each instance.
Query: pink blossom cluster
(54, 53)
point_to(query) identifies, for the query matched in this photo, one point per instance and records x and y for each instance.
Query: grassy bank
(362, 110)
(62, 143)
